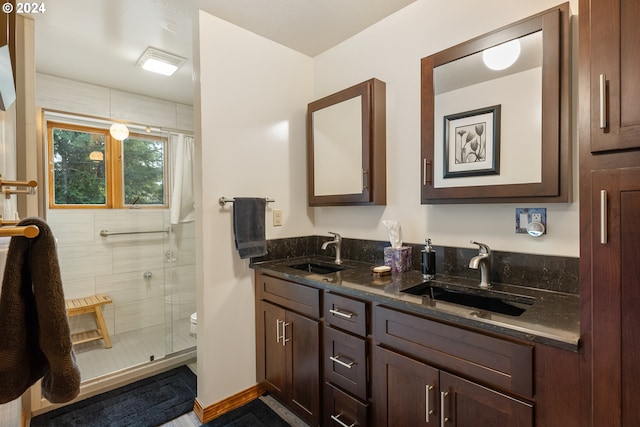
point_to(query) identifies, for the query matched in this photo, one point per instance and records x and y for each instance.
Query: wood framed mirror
(346, 147)
(474, 119)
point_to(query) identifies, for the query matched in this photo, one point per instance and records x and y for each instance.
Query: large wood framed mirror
(505, 133)
(346, 147)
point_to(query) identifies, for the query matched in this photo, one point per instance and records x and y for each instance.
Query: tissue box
(399, 259)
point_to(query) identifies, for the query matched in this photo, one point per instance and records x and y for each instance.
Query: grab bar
(106, 233)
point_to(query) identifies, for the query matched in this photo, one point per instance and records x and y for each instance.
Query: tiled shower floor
(132, 348)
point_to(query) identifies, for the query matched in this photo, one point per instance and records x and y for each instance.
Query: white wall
(251, 95)
(391, 51)
(251, 142)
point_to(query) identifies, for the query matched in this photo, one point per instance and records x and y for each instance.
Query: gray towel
(248, 226)
(35, 340)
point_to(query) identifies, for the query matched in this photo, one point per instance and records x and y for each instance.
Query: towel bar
(224, 200)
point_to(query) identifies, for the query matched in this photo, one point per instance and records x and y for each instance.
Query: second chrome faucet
(482, 261)
(337, 241)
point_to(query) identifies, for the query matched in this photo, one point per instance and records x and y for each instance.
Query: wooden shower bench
(92, 304)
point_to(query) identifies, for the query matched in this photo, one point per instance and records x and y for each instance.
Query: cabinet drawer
(345, 361)
(342, 410)
(300, 298)
(345, 313)
(498, 362)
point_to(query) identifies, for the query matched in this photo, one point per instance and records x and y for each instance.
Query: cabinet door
(406, 391)
(467, 404)
(614, 81)
(272, 366)
(302, 341)
(615, 297)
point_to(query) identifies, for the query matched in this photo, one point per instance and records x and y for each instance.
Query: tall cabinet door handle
(427, 400)
(603, 101)
(443, 419)
(603, 217)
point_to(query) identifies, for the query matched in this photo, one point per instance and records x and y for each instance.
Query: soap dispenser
(428, 261)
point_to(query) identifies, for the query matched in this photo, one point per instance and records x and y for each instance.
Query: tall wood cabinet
(609, 140)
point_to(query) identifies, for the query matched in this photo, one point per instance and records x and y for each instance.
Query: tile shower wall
(116, 265)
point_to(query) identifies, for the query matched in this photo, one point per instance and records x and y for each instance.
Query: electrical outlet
(525, 216)
(277, 217)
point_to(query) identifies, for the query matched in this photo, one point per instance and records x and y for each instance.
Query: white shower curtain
(182, 198)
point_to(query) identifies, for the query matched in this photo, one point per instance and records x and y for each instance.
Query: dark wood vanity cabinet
(288, 344)
(431, 374)
(339, 360)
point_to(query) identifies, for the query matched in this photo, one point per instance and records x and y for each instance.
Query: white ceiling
(100, 41)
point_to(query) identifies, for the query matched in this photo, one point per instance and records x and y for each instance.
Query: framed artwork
(472, 143)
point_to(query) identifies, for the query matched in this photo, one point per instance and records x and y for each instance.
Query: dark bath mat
(253, 414)
(149, 402)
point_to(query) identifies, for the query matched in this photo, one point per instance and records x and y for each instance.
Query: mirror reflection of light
(502, 56)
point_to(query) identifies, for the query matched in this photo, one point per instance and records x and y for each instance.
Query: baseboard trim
(212, 412)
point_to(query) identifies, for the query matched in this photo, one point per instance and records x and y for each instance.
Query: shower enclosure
(141, 253)
(146, 266)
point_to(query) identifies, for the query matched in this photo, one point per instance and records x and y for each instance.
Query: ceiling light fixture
(502, 56)
(119, 131)
(160, 62)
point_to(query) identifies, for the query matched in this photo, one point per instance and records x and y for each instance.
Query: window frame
(114, 167)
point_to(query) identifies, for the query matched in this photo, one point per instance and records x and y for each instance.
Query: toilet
(193, 327)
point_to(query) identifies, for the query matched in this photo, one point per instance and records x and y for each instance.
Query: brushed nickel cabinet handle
(425, 171)
(284, 333)
(278, 337)
(337, 419)
(427, 401)
(340, 362)
(603, 101)
(603, 217)
(337, 312)
(443, 396)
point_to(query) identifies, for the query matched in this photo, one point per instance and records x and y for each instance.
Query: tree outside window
(88, 168)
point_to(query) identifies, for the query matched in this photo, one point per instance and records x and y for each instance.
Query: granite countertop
(553, 319)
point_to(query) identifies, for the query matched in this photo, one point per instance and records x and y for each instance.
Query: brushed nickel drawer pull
(337, 312)
(337, 419)
(427, 401)
(603, 101)
(603, 217)
(340, 362)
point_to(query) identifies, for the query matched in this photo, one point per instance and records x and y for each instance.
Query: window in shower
(88, 168)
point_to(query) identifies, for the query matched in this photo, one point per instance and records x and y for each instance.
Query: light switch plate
(277, 217)
(524, 216)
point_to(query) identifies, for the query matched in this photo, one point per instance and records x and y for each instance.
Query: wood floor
(191, 420)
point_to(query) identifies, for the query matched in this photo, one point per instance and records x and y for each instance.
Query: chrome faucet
(337, 240)
(482, 261)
